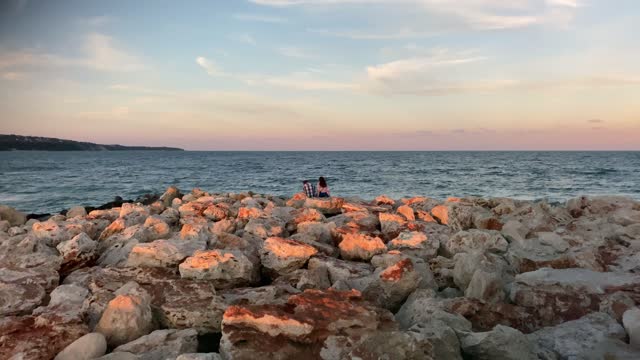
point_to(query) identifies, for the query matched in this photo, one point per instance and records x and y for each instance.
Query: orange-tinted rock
(307, 215)
(250, 213)
(360, 247)
(424, 216)
(384, 200)
(297, 201)
(391, 225)
(329, 206)
(283, 256)
(407, 212)
(224, 268)
(416, 244)
(300, 328)
(441, 212)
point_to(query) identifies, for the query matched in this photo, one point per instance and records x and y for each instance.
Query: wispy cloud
(209, 66)
(100, 52)
(260, 18)
(244, 38)
(295, 52)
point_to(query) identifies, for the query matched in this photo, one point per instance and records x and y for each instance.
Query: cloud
(595, 121)
(295, 52)
(260, 18)
(100, 52)
(408, 67)
(13, 76)
(445, 16)
(209, 66)
(244, 38)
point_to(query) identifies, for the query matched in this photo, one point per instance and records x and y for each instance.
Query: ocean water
(43, 182)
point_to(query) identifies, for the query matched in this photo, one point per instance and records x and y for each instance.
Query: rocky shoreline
(246, 276)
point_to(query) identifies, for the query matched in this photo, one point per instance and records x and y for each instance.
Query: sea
(48, 182)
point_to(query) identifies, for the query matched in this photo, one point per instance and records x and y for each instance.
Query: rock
(120, 355)
(391, 225)
(4, 226)
(501, 343)
(576, 339)
(568, 294)
(171, 193)
(339, 269)
(612, 349)
(163, 253)
(44, 276)
(307, 215)
(270, 294)
(68, 295)
(133, 214)
(88, 347)
(407, 212)
(360, 247)
(616, 305)
(78, 252)
(20, 299)
(487, 286)
(394, 345)
(265, 228)
(38, 337)
(483, 240)
(393, 285)
(302, 328)
(226, 226)
(224, 268)
(416, 244)
(162, 344)
(422, 307)
(76, 211)
(317, 231)
(443, 339)
(427, 280)
(51, 233)
(330, 206)
(481, 275)
(199, 356)
(13, 216)
(127, 317)
(156, 228)
(384, 200)
(631, 322)
(284, 256)
(456, 215)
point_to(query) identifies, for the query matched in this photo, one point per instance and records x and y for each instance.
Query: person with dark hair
(308, 189)
(323, 188)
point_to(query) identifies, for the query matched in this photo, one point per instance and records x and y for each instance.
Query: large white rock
(283, 256)
(501, 343)
(162, 344)
(470, 240)
(224, 268)
(90, 346)
(575, 340)
(163, 253)
(360, 247)
(631, 322)
(128, 316)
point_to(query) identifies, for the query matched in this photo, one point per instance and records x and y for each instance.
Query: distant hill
(19, 142)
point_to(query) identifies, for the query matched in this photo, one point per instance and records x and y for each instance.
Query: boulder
(127, 317)
(329, 206)
(90, 346)
(171, 193)
(78, 252)
(68, 295)
(391, 286)
(576, 339)
(283, 256)
(317, 231)
(13, 216)
(133, 214)
(224, 268)
(501, 343)
(265, 228)
(415, 243)
(339, 269)
(162, 344)
(200, 356)
(156, 228)
(314, 324)
(384, 200)
(407, 212)
(483, 240)
(163, 253)
(20, 299)
(360, 247)
(631, 322)
(391, 225)
(422, 307)
(569, 294)
(403, 345)
(76, 211)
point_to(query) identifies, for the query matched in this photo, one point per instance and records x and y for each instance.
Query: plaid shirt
(309, 190)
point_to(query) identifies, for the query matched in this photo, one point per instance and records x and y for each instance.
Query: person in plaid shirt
(308, 189)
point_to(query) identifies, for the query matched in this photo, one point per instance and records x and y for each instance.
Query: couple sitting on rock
(322, 191)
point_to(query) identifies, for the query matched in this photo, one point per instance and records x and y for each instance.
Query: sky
(324, 74)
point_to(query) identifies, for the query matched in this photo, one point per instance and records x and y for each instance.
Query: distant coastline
(36, 143)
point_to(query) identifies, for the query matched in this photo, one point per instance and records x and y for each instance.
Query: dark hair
(322, 182)
(305, 181)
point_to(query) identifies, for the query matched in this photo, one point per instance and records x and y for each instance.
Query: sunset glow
(324, 75)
